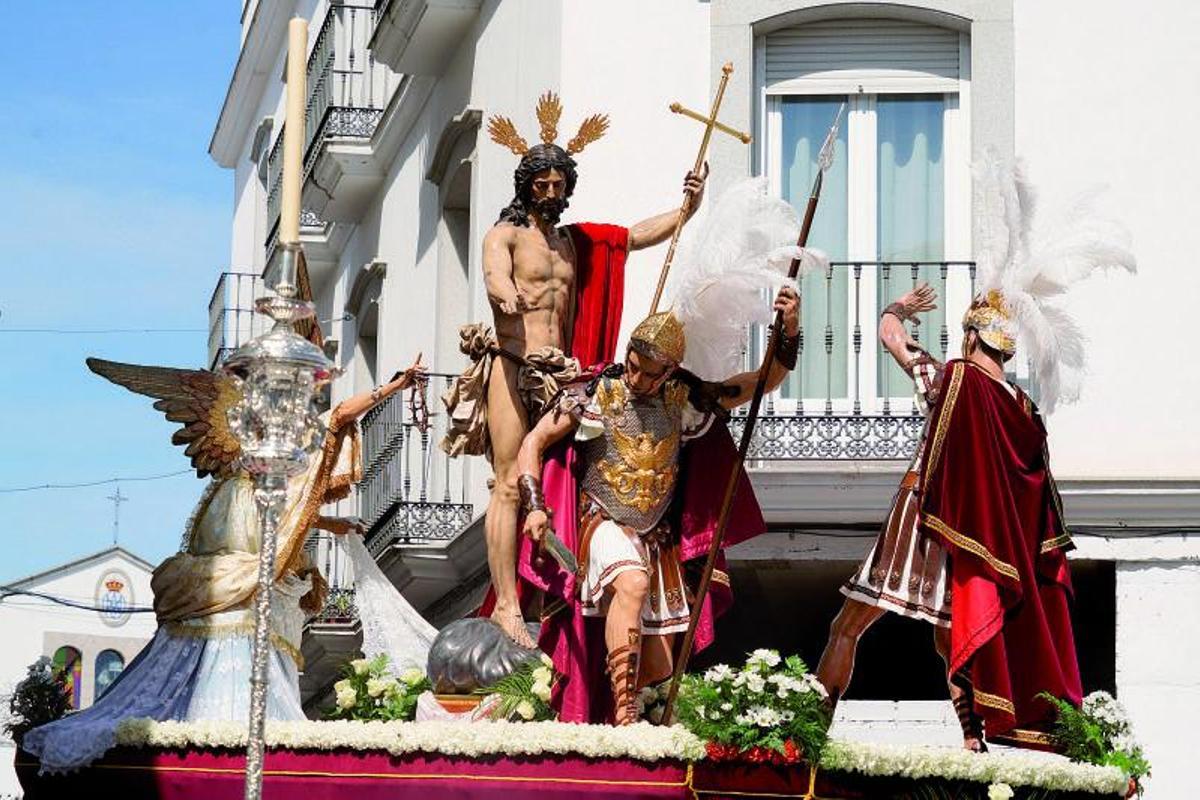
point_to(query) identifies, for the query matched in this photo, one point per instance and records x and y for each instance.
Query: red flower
(755, 755)
(721, 752)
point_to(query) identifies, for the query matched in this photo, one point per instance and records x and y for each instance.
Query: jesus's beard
(549, 209)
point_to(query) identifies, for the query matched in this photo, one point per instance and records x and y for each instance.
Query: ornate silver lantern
(276, 423)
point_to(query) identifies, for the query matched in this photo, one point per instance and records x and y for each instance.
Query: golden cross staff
(710, 124)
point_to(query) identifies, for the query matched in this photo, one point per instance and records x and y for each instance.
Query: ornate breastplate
(631, 469)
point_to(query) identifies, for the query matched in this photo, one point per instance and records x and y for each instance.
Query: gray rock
(472, 653)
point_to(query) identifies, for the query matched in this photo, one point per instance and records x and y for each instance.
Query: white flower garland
(1011, 768)
(642, 742)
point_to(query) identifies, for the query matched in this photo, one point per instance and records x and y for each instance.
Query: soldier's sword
(560, 552)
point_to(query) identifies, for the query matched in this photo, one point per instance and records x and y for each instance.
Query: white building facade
(84, 615)
(402, 183)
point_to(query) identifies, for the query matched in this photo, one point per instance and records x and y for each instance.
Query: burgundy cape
(989, 497)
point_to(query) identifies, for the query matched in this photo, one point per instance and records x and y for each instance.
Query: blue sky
(115, 217)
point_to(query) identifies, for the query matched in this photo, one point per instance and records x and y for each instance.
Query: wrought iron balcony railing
(347, 92)
(231, 318)
(411, 492)
(847, 400)
(340, 605)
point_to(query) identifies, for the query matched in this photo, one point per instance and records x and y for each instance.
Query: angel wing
(197, 398)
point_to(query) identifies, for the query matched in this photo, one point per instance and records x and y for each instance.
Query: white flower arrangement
(1099, 732)
(523, 694)
(369, 691)
(770, 709)
(640, 742)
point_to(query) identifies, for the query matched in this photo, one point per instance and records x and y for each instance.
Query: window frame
(862, 201)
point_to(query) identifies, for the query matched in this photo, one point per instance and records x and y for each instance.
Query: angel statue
(197, 666)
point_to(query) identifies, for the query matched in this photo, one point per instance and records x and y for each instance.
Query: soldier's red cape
(989, 497)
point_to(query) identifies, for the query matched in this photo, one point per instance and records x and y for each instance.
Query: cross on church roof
(117, 498)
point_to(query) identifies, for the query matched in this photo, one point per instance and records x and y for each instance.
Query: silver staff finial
(825, 157)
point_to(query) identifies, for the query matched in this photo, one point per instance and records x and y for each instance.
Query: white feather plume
(1034, 260)
(729, 268)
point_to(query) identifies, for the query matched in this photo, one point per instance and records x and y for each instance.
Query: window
(69, 661)
(894, 205)
(108, 666)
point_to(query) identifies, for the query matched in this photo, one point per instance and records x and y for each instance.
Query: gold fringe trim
(995, 701)
(230, 630)
(1056, 542)
(939, 436)
(1026, 736)
(972, 546)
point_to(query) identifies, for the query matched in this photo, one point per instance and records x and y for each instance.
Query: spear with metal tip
(824, 162)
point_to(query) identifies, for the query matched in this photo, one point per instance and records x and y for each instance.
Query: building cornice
(260, 49)
(860, 494)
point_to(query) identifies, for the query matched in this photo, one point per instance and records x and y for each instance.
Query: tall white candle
(293, 132)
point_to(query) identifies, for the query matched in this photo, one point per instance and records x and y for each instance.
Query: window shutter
(872, 55)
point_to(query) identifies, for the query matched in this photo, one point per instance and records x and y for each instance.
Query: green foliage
(767, 703)
(369, 691)
(1099, 733)
(523, 694)
(42, 696)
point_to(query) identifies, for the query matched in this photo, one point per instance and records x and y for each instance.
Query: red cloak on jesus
(987, 494)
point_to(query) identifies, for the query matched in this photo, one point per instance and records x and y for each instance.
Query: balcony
(347, 94)
(846, 400)
(829, 445)
(414, 498)
(232, 320)
(334, 635)
(418, 37)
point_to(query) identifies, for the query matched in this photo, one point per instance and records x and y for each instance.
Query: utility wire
(84, 484)
(8, 591)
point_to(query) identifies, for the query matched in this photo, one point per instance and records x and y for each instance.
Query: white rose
(343, 685)
(412, 676)
(755, 683)
(541, 691)
(1000, 791)
(346, 697)
(547, 660)
(542, 675)
(361, 666)
(376, 686)
(525, 710)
